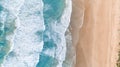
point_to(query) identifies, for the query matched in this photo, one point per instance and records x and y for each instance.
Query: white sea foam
(27, 45)
(61, 28)
(8, 17)
(12, 5)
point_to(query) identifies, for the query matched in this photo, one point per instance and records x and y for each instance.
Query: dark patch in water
(47, 61)
(1, 8)
(12, 54)
(49, 45)
(40, 35)
(53, 10)
(7, 27)
(4, 48)
(1, 32)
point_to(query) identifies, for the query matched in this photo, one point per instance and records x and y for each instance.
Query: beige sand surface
(97, 40)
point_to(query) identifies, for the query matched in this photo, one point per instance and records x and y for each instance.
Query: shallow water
(7, 27)
(32, 32)
(52, 13)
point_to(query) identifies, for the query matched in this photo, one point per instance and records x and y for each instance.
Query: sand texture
(94, 27)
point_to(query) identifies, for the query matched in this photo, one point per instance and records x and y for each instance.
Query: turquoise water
(37, 32)
(6, 28)
(47, 61)
(53, 10)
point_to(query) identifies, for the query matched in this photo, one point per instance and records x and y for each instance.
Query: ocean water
(7, 21)
(32, 32)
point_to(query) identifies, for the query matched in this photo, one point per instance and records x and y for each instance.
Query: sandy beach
(94, 27)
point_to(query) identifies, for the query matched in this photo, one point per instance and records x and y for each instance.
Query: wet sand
(97, 40)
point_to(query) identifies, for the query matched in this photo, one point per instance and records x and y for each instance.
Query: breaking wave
(32, 32)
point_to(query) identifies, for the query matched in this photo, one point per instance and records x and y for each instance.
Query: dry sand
(97, 40)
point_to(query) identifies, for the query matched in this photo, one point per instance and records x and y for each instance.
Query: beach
(94, 28)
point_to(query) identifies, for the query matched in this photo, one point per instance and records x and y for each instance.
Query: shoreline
(76, 23)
